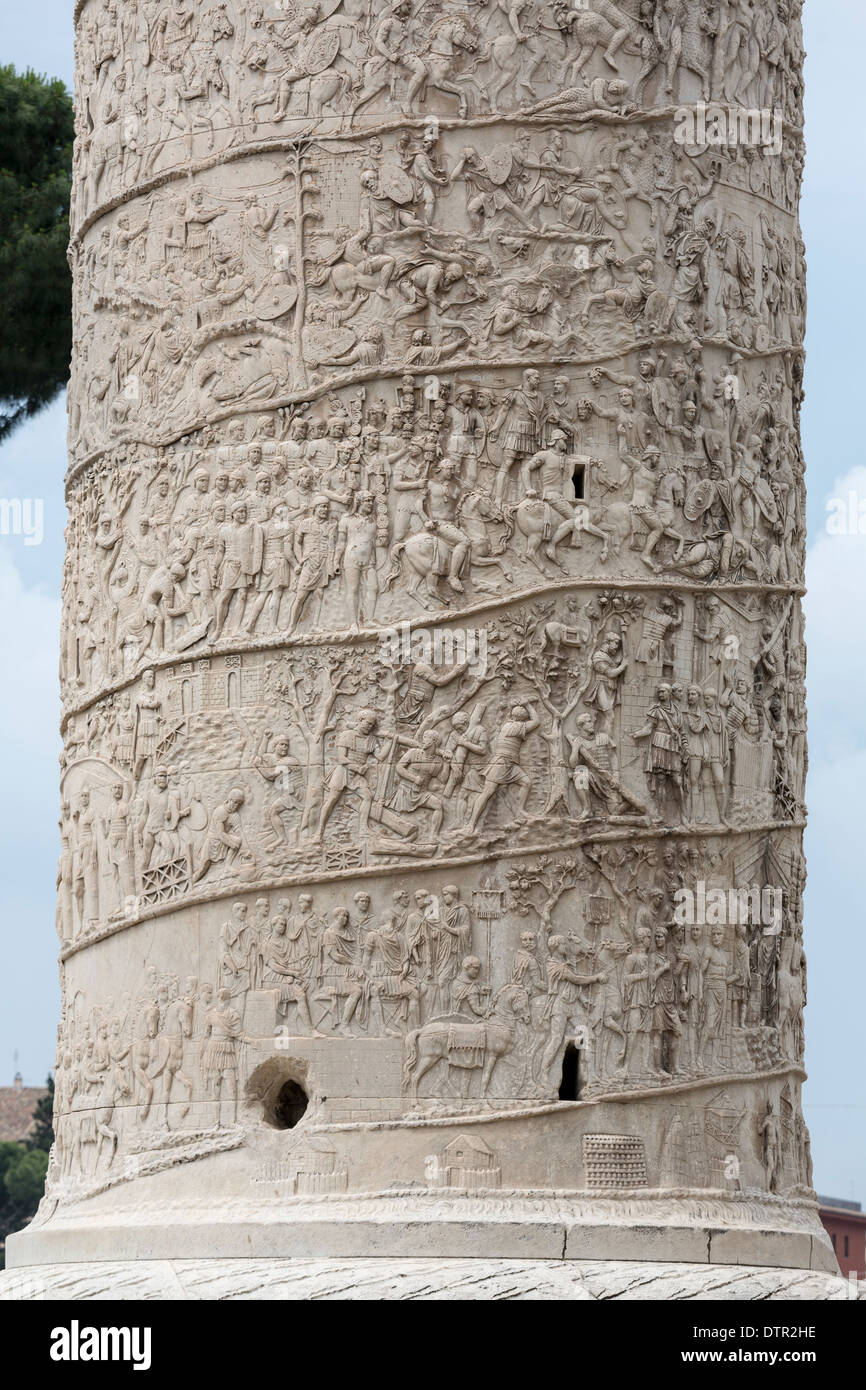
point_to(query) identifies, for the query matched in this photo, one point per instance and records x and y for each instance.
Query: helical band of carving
(435, 546)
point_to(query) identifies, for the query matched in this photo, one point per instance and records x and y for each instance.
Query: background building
(845, 1224)
(17, 1106)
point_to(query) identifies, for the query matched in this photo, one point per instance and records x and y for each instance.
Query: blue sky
(32, 464)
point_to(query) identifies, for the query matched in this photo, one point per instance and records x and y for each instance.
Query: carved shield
(396, 184)
(274, 301)
(791, 185)
(766, 500)
(698, 499)
(499, 164)
(320, 50)
(197, 818)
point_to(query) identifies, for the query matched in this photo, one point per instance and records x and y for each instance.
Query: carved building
(433, 656)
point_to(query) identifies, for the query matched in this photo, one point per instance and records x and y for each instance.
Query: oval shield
(396, 184)
(320, 50)
(499, 164)
(765, 499)
(698, 499)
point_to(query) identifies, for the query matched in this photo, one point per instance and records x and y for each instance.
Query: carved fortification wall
(433, 656)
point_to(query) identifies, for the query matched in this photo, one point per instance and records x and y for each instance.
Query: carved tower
(432, 668)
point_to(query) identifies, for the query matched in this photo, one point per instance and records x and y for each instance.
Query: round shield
(320, 50)
(499, 164)
(396, 184)
(274, 301)
(699, 499)
(197, 818)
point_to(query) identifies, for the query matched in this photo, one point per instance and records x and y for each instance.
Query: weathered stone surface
(443, 1278)
(432, 649)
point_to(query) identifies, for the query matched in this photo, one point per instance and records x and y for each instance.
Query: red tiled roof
(17, 1104)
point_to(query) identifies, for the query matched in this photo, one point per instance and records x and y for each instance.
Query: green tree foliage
(24, 1179)
(22, 1171)
(10, 1152)
(42, 1134)
(36, 133)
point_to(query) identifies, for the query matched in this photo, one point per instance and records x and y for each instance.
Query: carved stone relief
(433, 661)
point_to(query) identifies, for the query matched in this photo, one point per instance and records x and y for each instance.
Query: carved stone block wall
(432, 655)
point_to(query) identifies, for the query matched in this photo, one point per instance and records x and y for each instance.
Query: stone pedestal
(432, 788)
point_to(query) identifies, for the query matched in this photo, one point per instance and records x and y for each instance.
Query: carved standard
(432, 664)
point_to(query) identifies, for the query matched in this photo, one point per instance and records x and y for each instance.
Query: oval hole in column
(291, 1103)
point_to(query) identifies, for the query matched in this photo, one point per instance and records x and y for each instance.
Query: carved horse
(603, 24)
(114, 1089)
(648, 175)
(517, 59)
(480, 1044)
(537, 522)
(427, 555)
(475, 512)
(435, 68)
(330, 86)
(326, 89)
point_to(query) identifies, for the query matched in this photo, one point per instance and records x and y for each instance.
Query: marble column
(432, 788)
